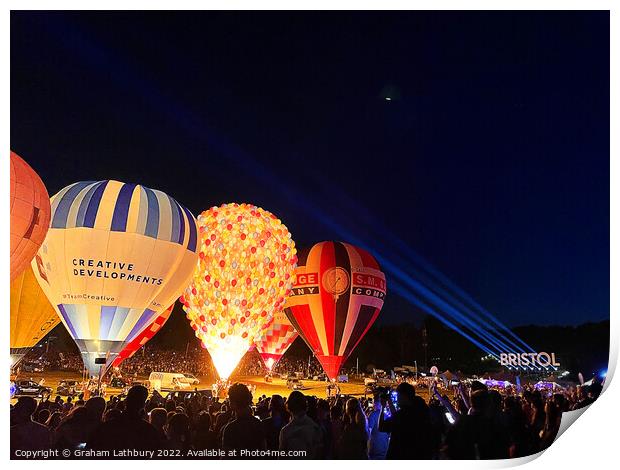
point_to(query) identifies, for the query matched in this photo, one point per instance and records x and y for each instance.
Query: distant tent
(545, 385)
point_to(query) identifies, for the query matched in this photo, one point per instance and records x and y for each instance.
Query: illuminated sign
(539, 359)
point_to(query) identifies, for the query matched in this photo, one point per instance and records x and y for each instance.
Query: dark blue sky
(491, 160)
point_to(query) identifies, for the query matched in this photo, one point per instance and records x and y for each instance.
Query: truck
(168, 381)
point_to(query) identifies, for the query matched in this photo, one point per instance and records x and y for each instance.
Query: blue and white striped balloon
(115, 256)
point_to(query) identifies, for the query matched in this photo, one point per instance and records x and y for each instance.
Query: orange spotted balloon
(244, 274)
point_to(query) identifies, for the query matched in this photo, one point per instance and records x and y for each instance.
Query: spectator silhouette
(378, 441)
(301, 434)
(27, 434)
(244, 432)
(408, 425)
(273, 424)
(129, 430)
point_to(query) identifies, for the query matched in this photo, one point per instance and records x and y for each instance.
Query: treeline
(583, 348)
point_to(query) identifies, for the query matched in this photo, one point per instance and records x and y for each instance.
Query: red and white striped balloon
(276, 339)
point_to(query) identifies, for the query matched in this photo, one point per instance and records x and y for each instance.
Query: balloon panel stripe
(181, 222)
(80, 205)
(142, 323)
(152, 220)
(67, 320)
(367, 259)
(328, 260)
(355, 300)
(121, 209)
(119, 321)
(166, 216)
(342, 304)
(301, 318)
(142, 338)
(61, 211)
(83, 205)
(178, 223)
(193, 231)
(365, 318)
(142, 211)
(93, 205)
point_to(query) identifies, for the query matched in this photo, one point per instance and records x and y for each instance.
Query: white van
(166, 381)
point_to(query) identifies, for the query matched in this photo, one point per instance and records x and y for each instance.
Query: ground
(278, 386)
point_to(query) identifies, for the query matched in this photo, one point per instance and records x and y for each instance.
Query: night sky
(478, 140)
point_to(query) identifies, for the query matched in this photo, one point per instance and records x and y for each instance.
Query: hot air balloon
(115, 255)
(144, 337)
(275, 340)
(247, 260)
(32, 316)
(30, 214)
(336, 296)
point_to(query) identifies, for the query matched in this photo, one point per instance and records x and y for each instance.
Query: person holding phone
(378, 441)
(408, 423)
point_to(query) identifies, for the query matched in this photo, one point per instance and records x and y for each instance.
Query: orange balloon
(30, 214)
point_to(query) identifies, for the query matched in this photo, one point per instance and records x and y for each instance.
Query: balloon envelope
(247, 259)
(30, 214)
(144, 337)
(115, 255)
(337, 295)
(32, 315)
(276, 339)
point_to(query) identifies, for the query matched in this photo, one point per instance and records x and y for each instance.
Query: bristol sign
(536, 359)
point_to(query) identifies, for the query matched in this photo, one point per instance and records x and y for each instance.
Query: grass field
(278, 386)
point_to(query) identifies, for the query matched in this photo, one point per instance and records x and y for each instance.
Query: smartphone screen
(394, 397)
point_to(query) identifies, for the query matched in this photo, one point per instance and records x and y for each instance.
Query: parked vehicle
(192, 379)
(168, 381)
(69, 388)
(30, 367)
(29, 388)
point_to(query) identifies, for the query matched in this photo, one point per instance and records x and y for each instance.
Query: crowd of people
(193, 360)
(476, 423)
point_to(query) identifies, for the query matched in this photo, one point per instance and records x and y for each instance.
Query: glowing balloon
(247, 259)
(336, 297)
(144, 337)
(275, 340)
(32, 316)
(115, 255)
(30, 214)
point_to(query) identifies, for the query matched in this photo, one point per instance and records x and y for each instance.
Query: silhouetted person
(378, 441)
(204, 437)
(302, 434)
(244, 432)
(130, 430)
(478, 435)
(178, 433)
(353, 444)
(158, 419)
(273, 424)
(409, 425)
(26, 434)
